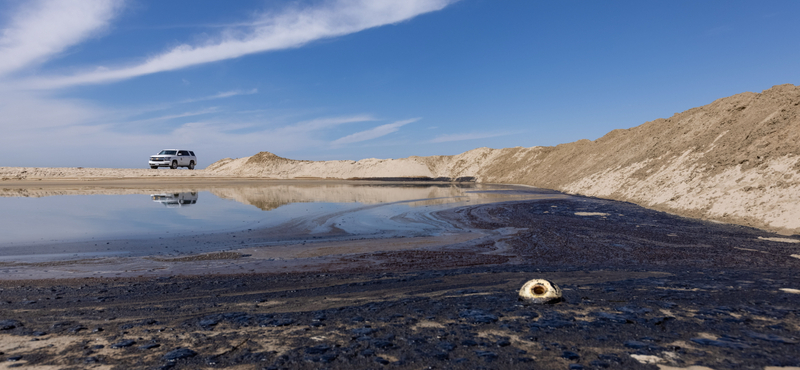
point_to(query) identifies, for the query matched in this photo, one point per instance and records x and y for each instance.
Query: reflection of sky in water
(83, 217)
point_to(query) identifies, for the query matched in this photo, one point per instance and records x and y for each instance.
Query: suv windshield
(167, 152)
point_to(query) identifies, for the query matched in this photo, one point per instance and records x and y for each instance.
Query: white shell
(539, 291)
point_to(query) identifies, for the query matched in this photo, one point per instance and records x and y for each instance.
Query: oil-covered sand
(642, 289)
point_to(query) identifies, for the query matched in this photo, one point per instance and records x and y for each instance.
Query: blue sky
(102, 83)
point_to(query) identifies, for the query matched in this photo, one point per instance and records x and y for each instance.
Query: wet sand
(642, 289)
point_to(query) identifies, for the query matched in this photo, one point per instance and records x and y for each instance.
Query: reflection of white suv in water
(174, 200)
(174, 158)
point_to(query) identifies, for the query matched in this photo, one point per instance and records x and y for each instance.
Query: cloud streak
(41, 29)
(323, 123)
(275, 31)
(173, 116)
(222, 95)
(372, 133)
(468, 136)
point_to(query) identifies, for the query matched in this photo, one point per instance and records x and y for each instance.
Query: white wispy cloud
(219, 139)
(179, 115)
(323, 123)
(130, 114)
(222, 95)
(290, 28)
(373, 133)
(38, 30)
(467, 136)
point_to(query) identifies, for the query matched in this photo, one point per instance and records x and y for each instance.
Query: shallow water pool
(54, 223)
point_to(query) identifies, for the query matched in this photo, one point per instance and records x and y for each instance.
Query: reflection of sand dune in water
(271, 197)
(268, 196)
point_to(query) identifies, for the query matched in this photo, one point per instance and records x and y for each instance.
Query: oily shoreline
(642, 290)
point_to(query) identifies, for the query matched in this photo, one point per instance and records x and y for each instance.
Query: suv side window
(183, 152)
(191, 153)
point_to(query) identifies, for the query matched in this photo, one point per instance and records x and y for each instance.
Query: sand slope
(735, 160)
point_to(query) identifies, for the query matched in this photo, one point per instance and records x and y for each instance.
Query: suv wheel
(191, 165)
(174, 165)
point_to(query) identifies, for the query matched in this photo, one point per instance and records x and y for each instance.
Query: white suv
(174, 158)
